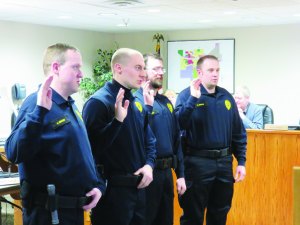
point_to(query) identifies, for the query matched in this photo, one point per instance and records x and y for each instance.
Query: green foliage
(102, 65)
(102, 74)
(88, 86)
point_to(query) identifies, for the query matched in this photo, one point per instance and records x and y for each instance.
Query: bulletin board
(183, 57)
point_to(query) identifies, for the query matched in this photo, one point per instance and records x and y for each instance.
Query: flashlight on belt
(53, 208)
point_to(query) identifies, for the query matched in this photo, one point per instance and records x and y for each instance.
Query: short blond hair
(56, 52)
(122, 56)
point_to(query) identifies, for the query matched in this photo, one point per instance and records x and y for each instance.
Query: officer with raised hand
(122, 141)
(214, 132)
(50, 143)
(164, 124)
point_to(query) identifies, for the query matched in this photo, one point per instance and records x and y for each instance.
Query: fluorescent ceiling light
(64, 17)
(229, 13)
(107, 14)
(154, 10)
(204, 21)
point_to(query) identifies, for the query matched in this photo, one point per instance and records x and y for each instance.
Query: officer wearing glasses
(163, 122)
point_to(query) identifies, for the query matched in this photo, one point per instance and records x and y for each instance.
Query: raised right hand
(120, 109)
(44, 95)
(148, 94)
(195, 88)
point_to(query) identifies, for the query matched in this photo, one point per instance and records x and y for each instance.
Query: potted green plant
(101, 74)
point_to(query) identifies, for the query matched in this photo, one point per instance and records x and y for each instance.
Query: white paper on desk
(9, 181)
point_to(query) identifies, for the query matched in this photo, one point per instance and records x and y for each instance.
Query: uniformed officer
(50, 143)
(164, 124)
(214, 131)
(122, 141)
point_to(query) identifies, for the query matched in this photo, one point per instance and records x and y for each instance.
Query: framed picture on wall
(183, 57)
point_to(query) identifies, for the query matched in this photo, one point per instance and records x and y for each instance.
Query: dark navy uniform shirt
(52, 147)
(120, 146)
(164, 124)
(212, 121)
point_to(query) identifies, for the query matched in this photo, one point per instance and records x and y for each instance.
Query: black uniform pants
(120, 206)
(40, 216)
(209, 186)
(160, 198)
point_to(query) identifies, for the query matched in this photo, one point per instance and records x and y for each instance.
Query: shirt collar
(59, 100)
(116, 86)
(218, 92)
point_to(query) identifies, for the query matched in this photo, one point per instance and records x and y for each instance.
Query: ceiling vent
(125, 3)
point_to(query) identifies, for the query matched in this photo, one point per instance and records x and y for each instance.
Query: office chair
(268, 117)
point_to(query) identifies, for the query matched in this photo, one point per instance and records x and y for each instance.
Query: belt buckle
(216, 153)
(165, 163)
(226, 152)
(82, 201)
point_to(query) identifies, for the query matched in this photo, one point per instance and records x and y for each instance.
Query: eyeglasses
(159, 69)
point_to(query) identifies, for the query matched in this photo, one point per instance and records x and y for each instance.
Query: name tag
(60, 122)
(200, 104)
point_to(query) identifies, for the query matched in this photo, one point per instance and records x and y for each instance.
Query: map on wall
(183, 57)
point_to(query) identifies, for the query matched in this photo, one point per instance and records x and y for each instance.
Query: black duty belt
(212, 153)
(66, 202)
(164, 163)
(127, 180)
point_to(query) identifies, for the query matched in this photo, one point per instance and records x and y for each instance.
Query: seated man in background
(250, 113)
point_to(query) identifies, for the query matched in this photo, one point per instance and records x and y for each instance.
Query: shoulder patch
(139, 106)
(170, 107)
(227, 104)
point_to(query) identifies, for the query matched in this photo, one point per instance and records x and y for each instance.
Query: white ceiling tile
(174, 14)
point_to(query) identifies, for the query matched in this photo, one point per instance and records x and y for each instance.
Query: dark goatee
(156, 85)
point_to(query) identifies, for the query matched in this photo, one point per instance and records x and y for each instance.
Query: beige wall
(266, 60)
(21, 52)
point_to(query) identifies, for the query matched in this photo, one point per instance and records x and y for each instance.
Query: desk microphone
(51, 193)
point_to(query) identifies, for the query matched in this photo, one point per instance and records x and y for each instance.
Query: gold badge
(139, 106)
(228, 104)
(170, 107)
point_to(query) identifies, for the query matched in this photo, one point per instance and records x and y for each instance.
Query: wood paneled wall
(265, 197)
(296, 195)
